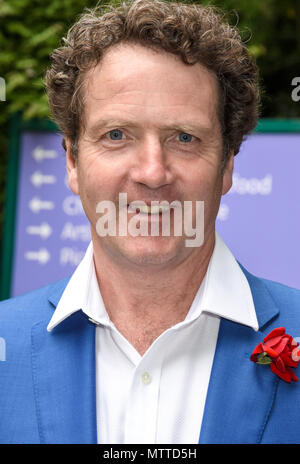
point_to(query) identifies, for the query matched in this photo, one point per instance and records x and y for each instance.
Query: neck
(143, 303)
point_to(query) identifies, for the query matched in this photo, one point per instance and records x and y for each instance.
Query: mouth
(148, 209)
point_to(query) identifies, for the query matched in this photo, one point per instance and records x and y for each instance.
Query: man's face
(152, 132)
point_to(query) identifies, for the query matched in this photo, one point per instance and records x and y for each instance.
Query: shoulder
(278, 290)
(31, 307)
(285, 299)
(281, 294)
(281, 291)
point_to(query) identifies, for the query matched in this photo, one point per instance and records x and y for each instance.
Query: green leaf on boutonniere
(263, 358)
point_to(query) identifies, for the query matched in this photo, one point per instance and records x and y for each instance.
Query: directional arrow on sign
(38, 179)
(39, 154)
(44, 230)
(42, 255)
(36, 205)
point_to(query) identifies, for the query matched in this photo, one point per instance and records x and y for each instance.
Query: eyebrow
(188, 127)
(117, 123)
(108, 123)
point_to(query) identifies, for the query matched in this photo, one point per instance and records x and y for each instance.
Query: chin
(149, 251)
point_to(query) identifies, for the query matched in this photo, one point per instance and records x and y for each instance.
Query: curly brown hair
(196, 33)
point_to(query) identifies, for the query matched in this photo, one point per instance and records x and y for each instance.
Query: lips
(135, 207)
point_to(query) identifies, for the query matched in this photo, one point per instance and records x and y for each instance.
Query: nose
(151, 166)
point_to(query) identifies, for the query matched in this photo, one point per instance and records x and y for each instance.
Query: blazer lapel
(63, 366)
(241, 393)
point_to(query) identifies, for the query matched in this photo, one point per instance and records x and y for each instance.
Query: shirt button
(146, 378)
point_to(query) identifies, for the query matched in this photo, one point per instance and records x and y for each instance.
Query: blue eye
(115, 134)
(184, 137)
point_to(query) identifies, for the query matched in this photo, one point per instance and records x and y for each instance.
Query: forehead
(137, 80)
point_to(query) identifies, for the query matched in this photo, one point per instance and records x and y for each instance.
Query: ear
(72, 168)
(227, 174)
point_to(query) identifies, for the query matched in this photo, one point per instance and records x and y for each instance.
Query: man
(150, 340)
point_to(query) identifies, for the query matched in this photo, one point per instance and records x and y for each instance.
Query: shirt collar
(81, 293)
(224, 292)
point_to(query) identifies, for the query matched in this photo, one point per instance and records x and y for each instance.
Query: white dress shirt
(158, 397)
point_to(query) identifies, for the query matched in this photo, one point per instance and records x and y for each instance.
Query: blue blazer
(47, 381)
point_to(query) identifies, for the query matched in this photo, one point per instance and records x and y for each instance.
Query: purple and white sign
(52, 231)
(259, 218)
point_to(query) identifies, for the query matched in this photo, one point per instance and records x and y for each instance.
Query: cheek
(98, 182)
(89, 185)
(87, 182)
(203, 185)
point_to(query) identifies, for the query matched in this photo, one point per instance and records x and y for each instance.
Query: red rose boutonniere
(280, 351)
